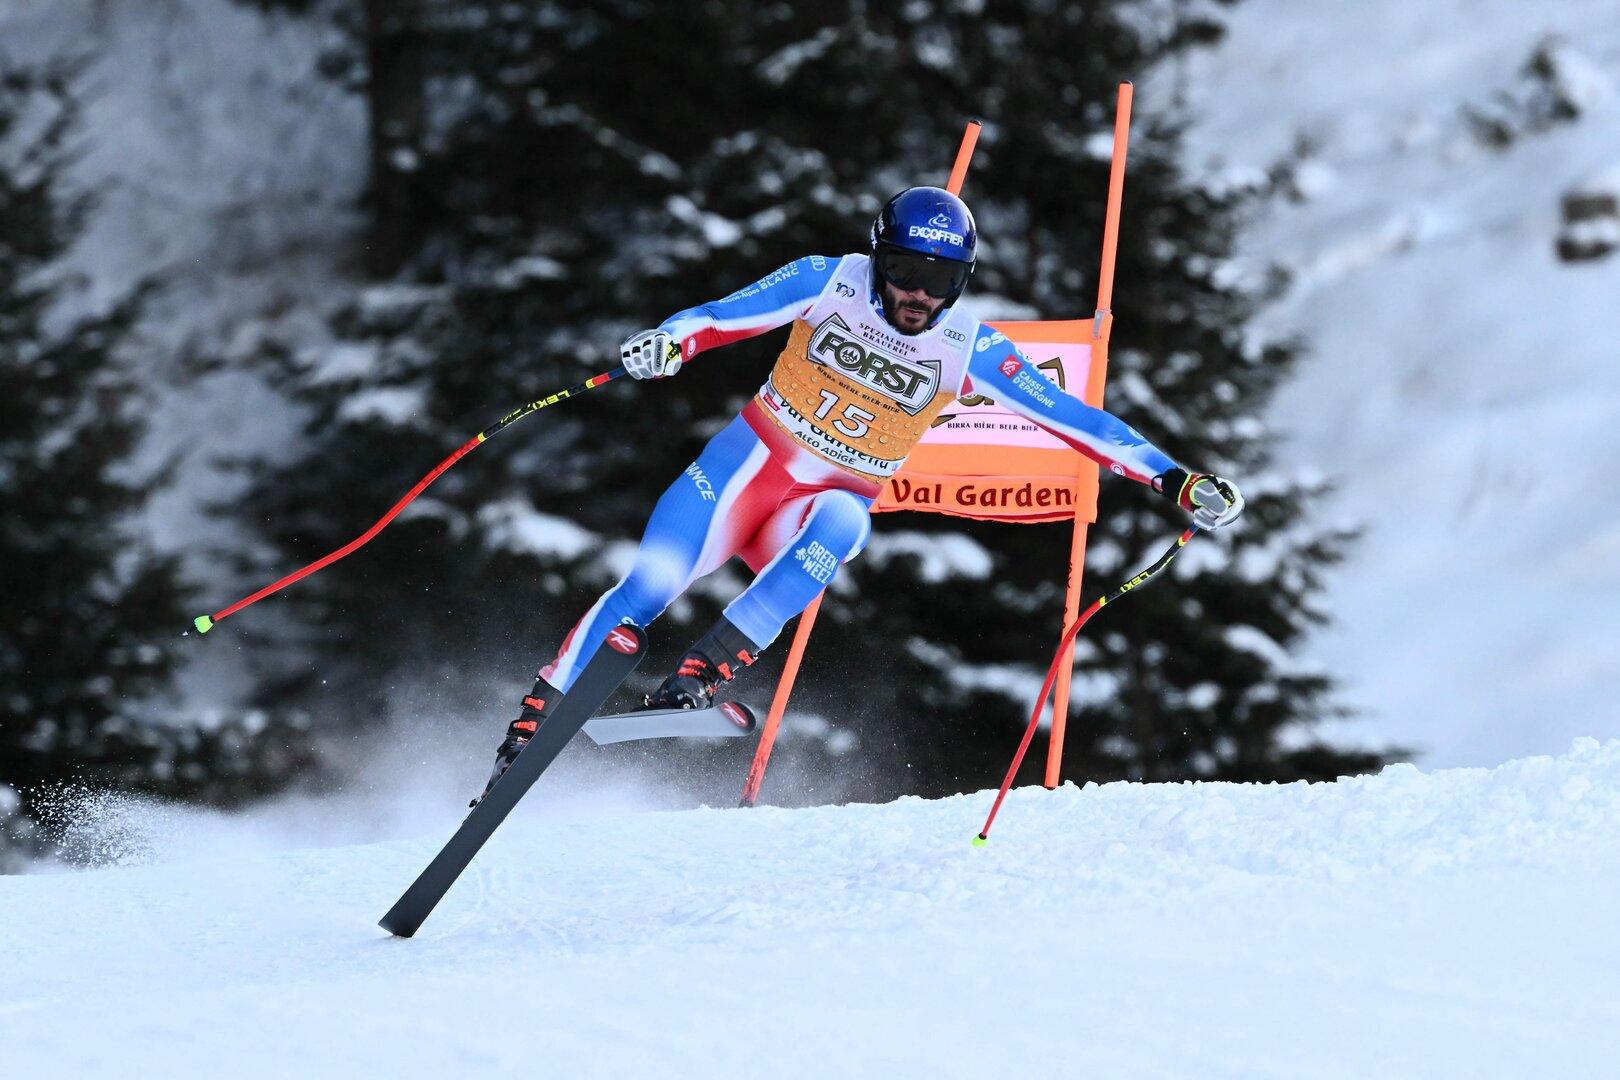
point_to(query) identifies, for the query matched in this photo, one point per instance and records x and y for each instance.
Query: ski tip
(981, 840)
(203, 624)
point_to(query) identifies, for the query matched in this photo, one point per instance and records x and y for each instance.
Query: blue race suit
(788, 485)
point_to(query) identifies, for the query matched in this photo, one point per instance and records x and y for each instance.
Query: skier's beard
(901, 307)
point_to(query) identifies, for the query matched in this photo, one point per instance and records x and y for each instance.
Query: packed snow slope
(1457, 923)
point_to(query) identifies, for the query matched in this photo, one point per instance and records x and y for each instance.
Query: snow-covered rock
(1591, 217)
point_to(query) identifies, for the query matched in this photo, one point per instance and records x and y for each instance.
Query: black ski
(615, 659)
(728, 718)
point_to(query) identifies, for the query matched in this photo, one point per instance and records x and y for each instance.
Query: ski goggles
(940, 278)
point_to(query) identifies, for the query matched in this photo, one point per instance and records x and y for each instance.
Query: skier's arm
(998, 370)
(774, 300)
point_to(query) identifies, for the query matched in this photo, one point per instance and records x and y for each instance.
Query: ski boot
(536, 707)
(713, 660)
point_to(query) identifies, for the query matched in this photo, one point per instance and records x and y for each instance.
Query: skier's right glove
(650, 354)
(1212, 501)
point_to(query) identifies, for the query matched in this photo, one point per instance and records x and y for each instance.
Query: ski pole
(1051, 674)
(205, 623)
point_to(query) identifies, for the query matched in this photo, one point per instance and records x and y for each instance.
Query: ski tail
(615, 658)
(726, 719)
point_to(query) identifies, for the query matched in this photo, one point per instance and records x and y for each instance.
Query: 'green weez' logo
(911, 383)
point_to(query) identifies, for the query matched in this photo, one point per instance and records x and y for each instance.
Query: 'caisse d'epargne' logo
(911, 383)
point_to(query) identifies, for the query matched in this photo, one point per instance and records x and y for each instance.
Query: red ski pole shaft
(205, 623)
(1052, 672)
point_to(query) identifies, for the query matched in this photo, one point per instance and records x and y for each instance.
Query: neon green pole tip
(980, 841)
(203, 624)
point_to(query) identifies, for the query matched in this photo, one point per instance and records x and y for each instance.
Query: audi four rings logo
(622, 641)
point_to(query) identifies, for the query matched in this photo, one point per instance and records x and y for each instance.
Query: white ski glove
(1212, 501)
(650, 354)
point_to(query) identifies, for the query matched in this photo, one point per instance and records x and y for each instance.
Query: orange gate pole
(1101, 324)
(1065, 677)
(964, 156)
(807, 621)
(773, 720)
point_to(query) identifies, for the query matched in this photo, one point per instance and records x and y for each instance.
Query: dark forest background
(545, 178)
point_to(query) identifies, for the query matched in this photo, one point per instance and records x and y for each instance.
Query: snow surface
(1457, 923)
(1462, 385)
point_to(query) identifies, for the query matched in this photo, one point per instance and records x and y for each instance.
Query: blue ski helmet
(924, 237)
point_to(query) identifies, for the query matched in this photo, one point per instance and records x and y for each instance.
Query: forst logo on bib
(911, 383)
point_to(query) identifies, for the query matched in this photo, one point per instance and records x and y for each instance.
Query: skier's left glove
(1212, 501)
(651, 354)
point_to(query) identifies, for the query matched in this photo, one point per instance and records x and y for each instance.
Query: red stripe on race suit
(713, 337)
(789, 451)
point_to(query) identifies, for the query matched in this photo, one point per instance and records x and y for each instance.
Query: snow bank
(1455, 290)
(1405, 924)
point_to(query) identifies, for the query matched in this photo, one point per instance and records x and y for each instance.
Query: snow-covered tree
(93, 614)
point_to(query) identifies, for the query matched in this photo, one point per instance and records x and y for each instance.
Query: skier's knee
(842, 521)
(652, 584)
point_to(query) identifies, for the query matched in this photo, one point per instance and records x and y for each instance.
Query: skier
(877, 349)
